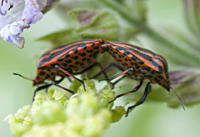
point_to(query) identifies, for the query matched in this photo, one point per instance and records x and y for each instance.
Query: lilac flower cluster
(15, 16)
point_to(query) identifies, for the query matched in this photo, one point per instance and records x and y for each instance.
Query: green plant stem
(153, 34)
(161, 39)
(124, 14)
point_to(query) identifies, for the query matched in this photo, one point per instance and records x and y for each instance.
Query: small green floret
(117, 113)
(84, 114)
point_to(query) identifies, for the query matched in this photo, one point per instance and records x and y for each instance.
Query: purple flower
(22, 14)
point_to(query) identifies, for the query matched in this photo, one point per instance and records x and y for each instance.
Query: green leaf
(61, 37)
(187, 86)
(192, 11)
(96, 24)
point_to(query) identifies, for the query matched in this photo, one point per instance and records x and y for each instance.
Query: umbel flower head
(85, 114)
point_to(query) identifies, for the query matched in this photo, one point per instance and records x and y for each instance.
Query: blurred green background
(152, 119)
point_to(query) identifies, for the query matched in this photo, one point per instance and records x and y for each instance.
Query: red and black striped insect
(137, 63)
(64, 61)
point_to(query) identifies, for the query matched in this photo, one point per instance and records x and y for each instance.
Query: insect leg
(67, 73)
(119, 79)
(104, 69)
(91, 66)
(43, 87)
(40, 88)
(69, 78)
(58, 81)
(116, 65)
(122, 73)
(147, 90)
(134, 90)
(56, 84)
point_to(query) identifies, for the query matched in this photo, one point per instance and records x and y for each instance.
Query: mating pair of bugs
(133, 61)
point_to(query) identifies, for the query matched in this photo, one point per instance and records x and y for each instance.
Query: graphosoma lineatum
(64, 60)
(138, 62)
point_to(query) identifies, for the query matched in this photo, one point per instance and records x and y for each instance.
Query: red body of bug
(64, 60)
(138, 62)
(145, 63)
(70, 57)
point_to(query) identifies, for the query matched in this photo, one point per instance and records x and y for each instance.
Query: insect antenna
(178, 97)
(22, 76)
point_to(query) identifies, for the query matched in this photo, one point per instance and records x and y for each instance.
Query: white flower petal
(16, 12)
(31, 12)
(16, 28)
(7, 35)
(13, 25)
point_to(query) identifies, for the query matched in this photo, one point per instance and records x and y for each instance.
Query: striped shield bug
(137, 63)
(64, 60)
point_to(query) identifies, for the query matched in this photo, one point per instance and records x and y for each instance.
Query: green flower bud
(49, 112)
(20, 122)
(60, 97)
(106, 95)
(117, 113)
(86, 113)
